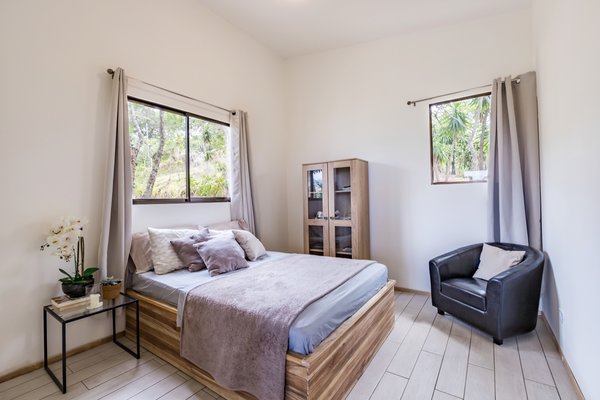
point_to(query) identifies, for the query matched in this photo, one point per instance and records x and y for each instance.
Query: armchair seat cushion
(471, 291)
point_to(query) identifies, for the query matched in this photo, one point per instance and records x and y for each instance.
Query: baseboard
(403, 289)
(562, 357)
(53, 359)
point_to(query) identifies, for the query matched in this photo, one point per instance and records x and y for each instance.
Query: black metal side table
(67, 316)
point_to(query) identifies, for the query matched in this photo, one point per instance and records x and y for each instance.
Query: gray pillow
(222, 254)
(140, 252)
(253, 248)
(187, 250)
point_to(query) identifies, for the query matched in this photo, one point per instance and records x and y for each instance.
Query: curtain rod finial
(411, 103)
(110, 71)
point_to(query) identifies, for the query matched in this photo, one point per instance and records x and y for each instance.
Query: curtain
(514, 198)
(242, 206)
(115, 239)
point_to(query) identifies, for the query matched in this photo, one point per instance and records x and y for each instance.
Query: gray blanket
(237, 328)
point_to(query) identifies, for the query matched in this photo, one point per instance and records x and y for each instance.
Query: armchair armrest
(516, 292)
(459, 263)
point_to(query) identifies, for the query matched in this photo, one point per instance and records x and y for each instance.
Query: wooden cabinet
(336, 209)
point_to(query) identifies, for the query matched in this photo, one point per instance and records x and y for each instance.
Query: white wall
(54, 97)
(568, 61)
(351, 102)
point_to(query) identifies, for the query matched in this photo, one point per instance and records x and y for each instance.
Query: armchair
(504, 306)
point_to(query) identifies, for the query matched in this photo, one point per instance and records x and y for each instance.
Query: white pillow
(227, 225)
(164, 258)
(494, 260)
(253, 248)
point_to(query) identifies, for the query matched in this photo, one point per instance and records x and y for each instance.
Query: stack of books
(65, 303)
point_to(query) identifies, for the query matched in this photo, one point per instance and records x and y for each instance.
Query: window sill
(182, 201)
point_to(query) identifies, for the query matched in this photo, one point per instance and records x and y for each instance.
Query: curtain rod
(111, 72)
(414, 102)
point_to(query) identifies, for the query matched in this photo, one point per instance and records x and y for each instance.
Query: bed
(330, 343)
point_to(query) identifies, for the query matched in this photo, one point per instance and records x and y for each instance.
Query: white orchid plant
(66, 239)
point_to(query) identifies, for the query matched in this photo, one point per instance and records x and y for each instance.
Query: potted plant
(111, 288)
(66, 238)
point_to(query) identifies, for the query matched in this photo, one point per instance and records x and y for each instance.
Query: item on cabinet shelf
(94, 302)
(319, 214)
(65, 302)
(111, 288)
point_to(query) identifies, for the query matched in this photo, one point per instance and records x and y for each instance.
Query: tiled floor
(427, 356)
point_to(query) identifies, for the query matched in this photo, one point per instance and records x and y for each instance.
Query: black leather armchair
(504, 306)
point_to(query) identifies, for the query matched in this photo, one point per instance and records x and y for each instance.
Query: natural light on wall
(460, 135)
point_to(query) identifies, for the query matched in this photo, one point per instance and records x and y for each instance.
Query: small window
(176, 156)
(460, 135)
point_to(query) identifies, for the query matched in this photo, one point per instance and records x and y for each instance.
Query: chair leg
(441, 312)
(498, 341)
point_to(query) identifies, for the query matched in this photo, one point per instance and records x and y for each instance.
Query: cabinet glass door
(316, 210)
(342, 192)
(343, 241)
(316, 180)
(316, 240)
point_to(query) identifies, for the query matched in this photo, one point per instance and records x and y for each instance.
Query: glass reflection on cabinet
(315, 194)
(342, 193)
(315, 240)
(343, 241)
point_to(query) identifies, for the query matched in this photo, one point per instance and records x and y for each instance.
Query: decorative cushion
(250, 243)
(222, 254)
(164, 258)
(187, 251)
(469, 291)
(140, 252)
(494, 260)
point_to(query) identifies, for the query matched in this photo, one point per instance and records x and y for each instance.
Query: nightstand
(68, 316)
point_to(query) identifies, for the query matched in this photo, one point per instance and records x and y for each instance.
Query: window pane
(208, 159)
(460, 135)
(158, 151)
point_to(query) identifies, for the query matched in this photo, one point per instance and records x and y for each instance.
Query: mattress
(311, 327)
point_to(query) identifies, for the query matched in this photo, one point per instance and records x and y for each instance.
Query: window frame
(488, 93)
(188, 199)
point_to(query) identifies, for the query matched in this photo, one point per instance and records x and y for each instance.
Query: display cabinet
(336, 209)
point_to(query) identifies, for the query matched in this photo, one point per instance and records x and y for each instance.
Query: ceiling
(296, 27)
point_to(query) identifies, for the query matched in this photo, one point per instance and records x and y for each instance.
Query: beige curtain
(115, 239)
(514, 204)
(242, 206)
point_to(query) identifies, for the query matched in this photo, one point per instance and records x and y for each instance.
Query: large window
(460, 135)
(176, 156)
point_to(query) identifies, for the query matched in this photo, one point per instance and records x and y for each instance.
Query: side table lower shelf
(65, 317)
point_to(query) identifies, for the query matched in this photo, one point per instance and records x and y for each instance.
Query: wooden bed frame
(328, 373)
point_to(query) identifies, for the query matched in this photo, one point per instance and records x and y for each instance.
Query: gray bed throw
(237, 328)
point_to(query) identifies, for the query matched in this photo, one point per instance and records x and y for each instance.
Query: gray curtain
(242, 206)
(115, 239)
(514, 205)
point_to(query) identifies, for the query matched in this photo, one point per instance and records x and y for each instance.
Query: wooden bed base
(328, 373)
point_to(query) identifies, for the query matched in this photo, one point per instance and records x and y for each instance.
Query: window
(460, 135)
(176, 156)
